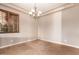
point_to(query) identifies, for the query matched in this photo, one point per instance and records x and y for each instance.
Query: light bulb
(39, 12)
(30, 13)
(33, 14)
(32, 10)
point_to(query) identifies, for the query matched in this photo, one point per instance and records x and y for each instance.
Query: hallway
(39, 47)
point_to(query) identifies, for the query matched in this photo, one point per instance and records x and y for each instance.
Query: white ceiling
(41, 6)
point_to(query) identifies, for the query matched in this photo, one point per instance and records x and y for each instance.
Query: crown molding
(55, 8)
(20, 9)
(63, 7)
(12, 6)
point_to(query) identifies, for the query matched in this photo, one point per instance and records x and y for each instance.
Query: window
(9, 22)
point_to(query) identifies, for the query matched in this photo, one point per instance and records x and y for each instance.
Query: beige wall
(70, 26)
(61, 27)
(50, 27)
(26, 29)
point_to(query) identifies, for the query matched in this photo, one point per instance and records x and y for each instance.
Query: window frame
(7, 18)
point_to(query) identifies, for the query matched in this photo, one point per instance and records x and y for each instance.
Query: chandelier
(35, 12)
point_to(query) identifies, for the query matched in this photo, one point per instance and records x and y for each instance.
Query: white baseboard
(16, 43)
(62, 43)
(40, 39)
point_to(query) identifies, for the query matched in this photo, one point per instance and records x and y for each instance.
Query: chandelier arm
(35, 12)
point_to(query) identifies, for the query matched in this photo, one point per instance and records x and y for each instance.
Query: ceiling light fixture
(35, 12)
